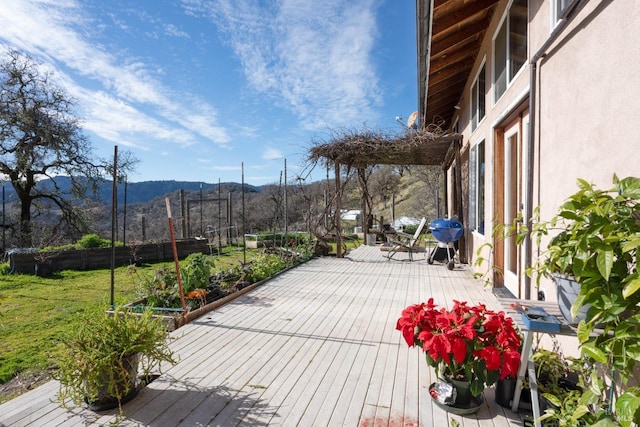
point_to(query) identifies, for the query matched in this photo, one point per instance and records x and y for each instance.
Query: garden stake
(175, 259)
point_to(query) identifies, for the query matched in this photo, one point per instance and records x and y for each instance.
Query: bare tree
(385, 182)
(40, 140)
(430, 193)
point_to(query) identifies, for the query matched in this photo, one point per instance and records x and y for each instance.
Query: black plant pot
(564, 383)
(504, 394)
(105, 399)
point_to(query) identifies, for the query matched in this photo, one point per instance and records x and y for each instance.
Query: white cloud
(57, 31)
(312, 57)
(225, 168)
(272, 154)
(174, 31)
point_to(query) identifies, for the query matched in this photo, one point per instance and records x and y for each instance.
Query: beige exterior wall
(587, 102)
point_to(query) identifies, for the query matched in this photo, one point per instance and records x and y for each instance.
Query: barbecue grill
(446, 232)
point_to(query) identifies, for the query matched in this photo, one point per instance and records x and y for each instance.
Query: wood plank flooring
(315, 346)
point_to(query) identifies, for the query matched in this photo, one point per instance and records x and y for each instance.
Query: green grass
(35, 312)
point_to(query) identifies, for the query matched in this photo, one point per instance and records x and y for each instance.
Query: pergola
(414, 147)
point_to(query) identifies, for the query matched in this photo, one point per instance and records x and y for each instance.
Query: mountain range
(139, 192)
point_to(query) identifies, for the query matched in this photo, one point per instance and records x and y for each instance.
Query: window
(558, 7)
(478, 99)
(510, 47)
(477, 187)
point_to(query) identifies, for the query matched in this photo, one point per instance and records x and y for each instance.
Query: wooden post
(462, 242)
(363, 204)
(175, 258)
(339, 253)
(183, 216)
(114, 211)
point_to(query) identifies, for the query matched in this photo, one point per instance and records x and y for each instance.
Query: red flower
(466, 341)
(491, 356)
(409, 321)
(510, 365)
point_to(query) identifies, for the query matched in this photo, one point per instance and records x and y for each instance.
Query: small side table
(508, 305)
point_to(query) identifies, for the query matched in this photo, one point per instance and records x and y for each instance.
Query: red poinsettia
(466, 342)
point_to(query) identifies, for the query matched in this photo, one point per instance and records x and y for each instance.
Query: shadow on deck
(315, 346)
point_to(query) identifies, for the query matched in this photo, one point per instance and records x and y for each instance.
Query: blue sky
(196, 88)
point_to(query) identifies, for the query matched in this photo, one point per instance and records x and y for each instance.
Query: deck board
(315, 346)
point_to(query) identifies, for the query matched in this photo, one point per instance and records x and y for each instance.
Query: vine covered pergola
(359, 149)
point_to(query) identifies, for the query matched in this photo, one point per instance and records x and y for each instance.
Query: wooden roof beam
(458, 67)
(458, 55)
(441, 23)
(478, 28)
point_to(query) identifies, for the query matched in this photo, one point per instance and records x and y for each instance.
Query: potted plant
(467, 344)
(101, 363)
(597, 244)
(581, 397)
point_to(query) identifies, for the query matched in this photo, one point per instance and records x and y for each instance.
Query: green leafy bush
(5, 268)
(266, 265)
(92, 241)
(196, 272)
(160, 289)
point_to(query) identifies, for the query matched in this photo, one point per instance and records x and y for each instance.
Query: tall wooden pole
(219, 217)
(175, 258)
(286, 219)
(338, 213)
(244, 222)
(114, 195)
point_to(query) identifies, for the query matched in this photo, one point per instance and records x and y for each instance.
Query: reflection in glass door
(511, 203)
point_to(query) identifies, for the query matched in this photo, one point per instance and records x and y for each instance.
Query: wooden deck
(315, 346)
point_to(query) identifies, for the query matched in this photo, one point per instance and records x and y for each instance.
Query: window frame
(478, 185)
(509, 74)
(558, 8)
(478, 110)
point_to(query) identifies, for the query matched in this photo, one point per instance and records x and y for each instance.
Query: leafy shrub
(226, 279)
(5, 268)
(266, 265)
(196, 272)
(92, 241)
(161, 289)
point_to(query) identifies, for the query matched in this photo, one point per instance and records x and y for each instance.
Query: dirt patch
(23, 383)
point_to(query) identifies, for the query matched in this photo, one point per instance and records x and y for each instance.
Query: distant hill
(144, 191)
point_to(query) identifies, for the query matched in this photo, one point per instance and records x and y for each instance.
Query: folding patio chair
(401, 242)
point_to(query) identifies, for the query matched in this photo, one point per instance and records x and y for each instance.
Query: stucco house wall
(588, 103)
(587, 98)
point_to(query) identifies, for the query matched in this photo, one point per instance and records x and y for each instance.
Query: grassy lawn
(36, 312)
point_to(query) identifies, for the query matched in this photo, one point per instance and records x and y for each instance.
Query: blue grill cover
(446, 230)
